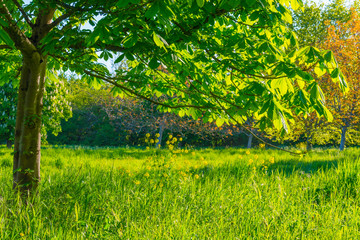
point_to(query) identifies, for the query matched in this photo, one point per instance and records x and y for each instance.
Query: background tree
(344, 40)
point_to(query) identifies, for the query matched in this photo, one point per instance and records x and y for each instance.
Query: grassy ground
(123, 193)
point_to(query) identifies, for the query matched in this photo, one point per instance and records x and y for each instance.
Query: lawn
(128, 193)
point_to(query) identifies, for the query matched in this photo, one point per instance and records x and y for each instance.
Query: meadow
(128, 193)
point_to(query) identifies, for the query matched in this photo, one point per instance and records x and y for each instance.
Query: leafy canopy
(222, 60)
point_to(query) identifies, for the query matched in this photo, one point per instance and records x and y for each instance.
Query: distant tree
(344, 40)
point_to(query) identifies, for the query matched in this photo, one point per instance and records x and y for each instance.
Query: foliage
(101, 119)
(223, 58)
(343, 39)
(56, 108)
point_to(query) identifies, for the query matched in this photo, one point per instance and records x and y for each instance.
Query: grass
(120, 193)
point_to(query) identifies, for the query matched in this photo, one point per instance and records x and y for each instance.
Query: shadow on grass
(289, 167)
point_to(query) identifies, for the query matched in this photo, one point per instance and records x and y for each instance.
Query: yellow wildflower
(147, 148)
(22, 235)
(147, 135)
(157, 135)
(170, 136)
(272, 160)
(256, 156)
(196, 176)
(146, 140)
(247, 152)
(137, 182)
(151, 141)
(186, 151)
(147, 174)
(180, 139)
(193, 153)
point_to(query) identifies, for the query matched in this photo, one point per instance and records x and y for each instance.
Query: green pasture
(128, 193)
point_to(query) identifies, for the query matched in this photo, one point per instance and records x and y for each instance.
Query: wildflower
(272, 160)
(256, 156)
(161, 185)
(196, 176)
(174, 139)
(250, 161)
(147, 148)
(146, 140)
(157, 135)
(22, 235)
(157, 140)
(171, 147)
(147, 175)
(151, 141)
(186, 151)
(240, 157)
(247, 152)
(137, 182)
(205, 162)
(167, 142)
(148, 167)
(262, 145)
(170, 136)
(147, 135)
(193, 153)
(180, 139)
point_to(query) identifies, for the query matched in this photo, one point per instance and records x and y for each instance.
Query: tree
(56, 107)
(225, 59)
(311, 27)
(344, 40)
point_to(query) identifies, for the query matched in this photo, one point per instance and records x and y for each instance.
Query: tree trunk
(28, 123)
(161, 131)
(9, 143)
(343, 134)
(308, 143)
(250, 141)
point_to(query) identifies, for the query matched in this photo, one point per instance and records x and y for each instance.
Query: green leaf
(157, 40)
(335, 73)
(120, 58)
(219, 122)
(200, 3)
(152, 11)
(5, 37)
(154, 63)
(130, 41)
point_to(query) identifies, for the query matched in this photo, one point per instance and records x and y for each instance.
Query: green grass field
(120, 193)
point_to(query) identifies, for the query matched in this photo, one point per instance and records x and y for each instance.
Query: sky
(328, 1)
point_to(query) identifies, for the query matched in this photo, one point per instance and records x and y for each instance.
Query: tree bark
(28, 123)
(343, 135)
(161, 131)
(9, 143)
(308, 143)
(250, 141)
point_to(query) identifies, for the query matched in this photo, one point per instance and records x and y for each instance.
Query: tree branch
(23, 13)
